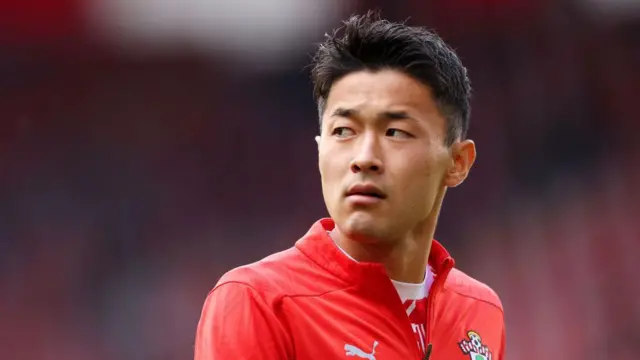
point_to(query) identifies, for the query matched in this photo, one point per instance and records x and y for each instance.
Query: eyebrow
(385, 115)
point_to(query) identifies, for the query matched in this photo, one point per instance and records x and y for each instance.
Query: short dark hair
(367, 42)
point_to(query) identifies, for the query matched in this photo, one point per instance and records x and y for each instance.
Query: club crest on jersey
(474, 347)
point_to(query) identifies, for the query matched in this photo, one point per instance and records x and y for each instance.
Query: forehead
(380, 91)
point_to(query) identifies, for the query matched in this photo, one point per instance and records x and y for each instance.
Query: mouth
(367, 190)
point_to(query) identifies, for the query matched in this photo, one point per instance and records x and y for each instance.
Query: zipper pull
(427, 354)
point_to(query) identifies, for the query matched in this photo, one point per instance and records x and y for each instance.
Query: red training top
(313, 302)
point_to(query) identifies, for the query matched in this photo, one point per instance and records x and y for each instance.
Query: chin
(363, 227)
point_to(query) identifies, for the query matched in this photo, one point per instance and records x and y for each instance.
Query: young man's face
(382, 155)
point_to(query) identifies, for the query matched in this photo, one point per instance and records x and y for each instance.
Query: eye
(397, 133)
(342, 132)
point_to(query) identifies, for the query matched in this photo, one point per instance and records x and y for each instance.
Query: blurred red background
(148, 146)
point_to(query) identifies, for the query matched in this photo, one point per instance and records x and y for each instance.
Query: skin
(384, 128)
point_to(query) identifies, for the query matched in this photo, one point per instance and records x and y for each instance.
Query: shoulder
(259, 286)
(264, 275)
(286, 273)
(462, 285)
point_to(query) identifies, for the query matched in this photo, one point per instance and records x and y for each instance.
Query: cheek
(330, 173)
(425, 180)
(324, 165)
(331, 161)
(322, 161)
(433, 167)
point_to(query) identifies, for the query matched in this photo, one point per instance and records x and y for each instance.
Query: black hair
(367, 42)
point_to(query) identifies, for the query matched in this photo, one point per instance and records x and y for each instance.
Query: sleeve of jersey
(503, 346)
(237, 323)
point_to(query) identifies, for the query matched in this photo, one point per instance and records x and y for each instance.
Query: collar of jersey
(320, 248)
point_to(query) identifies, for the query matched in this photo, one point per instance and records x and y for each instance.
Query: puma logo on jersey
(351, 350)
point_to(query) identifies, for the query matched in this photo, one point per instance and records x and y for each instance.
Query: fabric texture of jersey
(313, 302)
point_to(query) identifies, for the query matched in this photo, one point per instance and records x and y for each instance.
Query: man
(370, 282)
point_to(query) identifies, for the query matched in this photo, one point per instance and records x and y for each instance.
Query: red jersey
(417, 312)
(313, 302)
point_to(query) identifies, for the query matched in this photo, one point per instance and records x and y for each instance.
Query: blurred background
(148, 146)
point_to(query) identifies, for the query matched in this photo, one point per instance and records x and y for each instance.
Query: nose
(367, 158)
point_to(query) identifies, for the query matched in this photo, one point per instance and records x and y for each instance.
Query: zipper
(402, 313)
(427, 353)
(435, 289)
(430, 305)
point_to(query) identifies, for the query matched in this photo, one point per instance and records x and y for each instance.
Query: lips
(369, 190)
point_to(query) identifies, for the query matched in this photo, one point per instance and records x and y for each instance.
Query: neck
(405, 258)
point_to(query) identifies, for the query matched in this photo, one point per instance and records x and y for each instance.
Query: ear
(463, 155)
(318, 140)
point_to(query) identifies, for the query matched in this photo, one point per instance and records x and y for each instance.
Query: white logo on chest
(351, 350)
